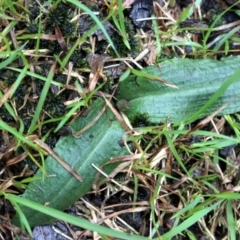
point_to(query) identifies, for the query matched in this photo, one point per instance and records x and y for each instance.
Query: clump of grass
(191, 184)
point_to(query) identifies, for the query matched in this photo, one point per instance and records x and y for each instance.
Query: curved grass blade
(68, 218)
(98, 22)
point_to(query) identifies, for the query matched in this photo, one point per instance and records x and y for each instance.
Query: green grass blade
(187, 12)
(158, 41)
(160, 173)
(87, 10)
(175, 153)
(225, 38)
(35, 75)
(24, 222)
(122, 25)
(188, 207)
(70, 113)
(216, 95)
(70, 219)
(19, 80)
(42, 99)
(19, 136)
(190, 221)
(80, 41)
(9, 59)
(226, 195)
(230, 221)
(217, 19)
(185, 43)
(9, 108)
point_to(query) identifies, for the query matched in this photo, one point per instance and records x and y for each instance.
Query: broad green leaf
(207, 82)
(59, 189)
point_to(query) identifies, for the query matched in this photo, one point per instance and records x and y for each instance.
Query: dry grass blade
(121, 120)
(116, 113)
(96, 63)
(6, 95)
(226, 26)
(208, 119)
(16, 159)
(129, 210)
(152, 77)
(128, 3)
(60, 39)
(127, 189)
(80, 132)
(62, 162)
(168, 174)
(45, 37)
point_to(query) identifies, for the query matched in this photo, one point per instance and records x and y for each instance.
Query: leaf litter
(206, 173)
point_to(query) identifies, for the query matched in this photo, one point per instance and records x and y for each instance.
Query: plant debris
(55, 63)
